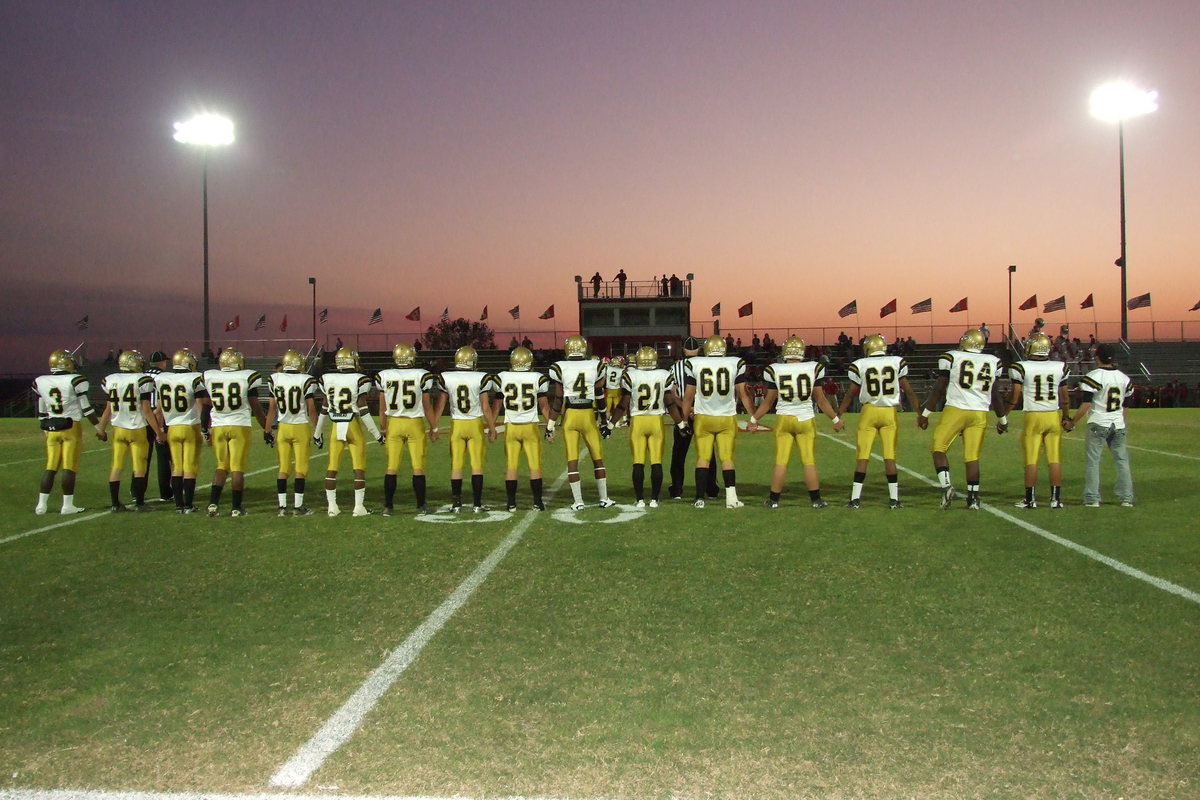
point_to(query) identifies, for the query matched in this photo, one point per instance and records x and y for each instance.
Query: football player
(581, 385)
(62, 405)
(681, 437)
(716, 383)
(1040, 384)
(346, 392)
(1106, 390)
(647, 392)
(233, 392)
(156, 366)
(181, 398)
(613, 371)
(406, 409)
(523, 396)
(796, 384)
(468, 392)
(291, 402)
(130, 409)
(967, 381)
(877, 379)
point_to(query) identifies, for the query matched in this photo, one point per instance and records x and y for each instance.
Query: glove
(683, 428)
(549, 430)
(381, 438)
(605, 430)
(269, 438)
(319, 441)
(1001, 427)
(206, 434)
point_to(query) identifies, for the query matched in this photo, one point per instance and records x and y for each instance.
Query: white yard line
(1143, 449)
(347, 719)
(1119, 566)
(92, 794)
(42, 458)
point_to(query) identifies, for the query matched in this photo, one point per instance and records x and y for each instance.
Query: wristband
(433, 430)
(836, 419)
(925, 412)
(753, 420)
(549, 426)
(1003, 420)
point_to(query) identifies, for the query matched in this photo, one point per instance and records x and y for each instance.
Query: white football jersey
(63, 394)
(1109, 387)
(402, 389)
(177, 396)
(341, 391)
(291, 391)
(1039, 382)
(647, 390)
(125, 391)
(878, 379)
(580, 379)
(612, 375)
(715, 378)
(794, 381)
(520, 392)
(464, 386)
(971, 378)
(230, 392)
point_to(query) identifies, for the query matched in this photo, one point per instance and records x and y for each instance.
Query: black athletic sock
(775, 497)
(814, 495)
(139, 490)
(861, 477)
(510, 491)
(1028, 494)
(639, 481)
(177, 490)
(189, 492)
(298, 487)
(389, 490)
(114, 492)
(237, 497)
(701, 481)
(214, 494)
(477, 489)
(535, 486)
(418, 484)
(656, 480)
(730, 478)
(281, 486)
(456, 490)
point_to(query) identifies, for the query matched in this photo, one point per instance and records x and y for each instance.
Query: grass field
(675, 652)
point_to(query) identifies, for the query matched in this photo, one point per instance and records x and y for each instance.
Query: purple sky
(794, 154)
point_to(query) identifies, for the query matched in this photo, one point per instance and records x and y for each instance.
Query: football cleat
(820, 504)
(972, 501)
(184, 361)
(511, 507)
(539, 506)
(575, 346)
(769, 503)
(972, 341)
(607, 502)
(292, 361)
(333, 511)
(141, 508)
(646, 358)
(231, 359)
(212, 509)
(388, 511)
(578, 506)
(39, 510)
(948, 495)
(301, 511)
(895, 504)
(1026, 504)
(424, 511)
(480, 509)
(714, 346)
(345, 359)
(405, 355)
(62, 361)
(238, 512)
(853, 504)
(1126, 504)
(521, 359)
(1038, 346)
(282, 511)
(361, 511)
(72, 510)
(640, 504)
(654, 504)
(465, 357)
(118, 508)
(1091, 504)
(698, 504)
(734, 503)
(1057, 504)
(456, 508)
(874, 345)
(793, 349)
(131, 361)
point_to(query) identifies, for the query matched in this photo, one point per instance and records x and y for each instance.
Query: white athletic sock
(602, 488)
(360, 497)
(856, 491)
(282, 499)
(43, 501)
(731, 494)
(331, 497)
(894, 490)
(577, 491)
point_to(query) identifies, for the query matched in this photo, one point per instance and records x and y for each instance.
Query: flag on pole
(890, 308)
(376, 317)
(548, 313)
(923, 307)
(446, 314)
(1028, 304)
(262, 322)
(483, 316)
(515, 311)
(1057, 304)
(746, 310)
(716, 310)
(1141, 301)
(324, 315)
(1087, 302)
(1193, 308)
(848, 309)
(83, 323)
(233, 324)
(283, 325)
(414, 315)
(961, 305)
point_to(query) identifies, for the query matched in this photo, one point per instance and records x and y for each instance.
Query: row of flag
(375, 318)
(743, 311)
(1057, 304)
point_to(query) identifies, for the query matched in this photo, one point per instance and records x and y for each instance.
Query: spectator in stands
(620, 278)
(596, 281)
(666, 285)
(728, 341)
(985, 330)
(676, 286)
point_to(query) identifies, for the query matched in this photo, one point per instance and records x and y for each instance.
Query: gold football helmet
(793, 347)
(1038, 346)
(465, 357)
(576, 346)
(972, 341)
(405, 355)
(874, 345)
(183, 361)
(714, 346)
(345, 359)
(618, 361)
(131, 361)
(231, 359)
(292, 361)
(521, 359)
(62, 361)
(646, 357)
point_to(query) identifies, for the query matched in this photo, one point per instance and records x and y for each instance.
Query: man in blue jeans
(1105, 391)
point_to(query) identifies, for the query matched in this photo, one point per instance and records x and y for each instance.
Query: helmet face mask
(521, 359)
(575, 346)
(405, 355)
(1038, 346)
(874, 344)
(183, 361)
(646, 358)
(793, 348)
(131, 361)
(465, 357)
(62, 361)
(345, 359)
(231, 360)
(292, 361)
(972, 341)
(714, 346)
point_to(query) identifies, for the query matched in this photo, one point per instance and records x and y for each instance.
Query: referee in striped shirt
(682, 441)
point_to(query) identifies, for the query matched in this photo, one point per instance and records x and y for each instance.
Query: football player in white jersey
(523, 397)
(1040, 384)
(581, 385)
(647, 392)
(62, 405)
(233, 394)
(130, 409)
(613, 371)
(468, 391)
(1106, 390)
(968, 381)
(181, 397)
(407, 409)
(716, 382)
(877, 379)
(346, 392)
(796, 384)
(291, 402)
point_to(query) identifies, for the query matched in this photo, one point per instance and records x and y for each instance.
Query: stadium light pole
(1117, 102)
(1012, 337)
(205, 131)
(313, 281)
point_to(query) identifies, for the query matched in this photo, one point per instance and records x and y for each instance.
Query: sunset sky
(798, 155)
